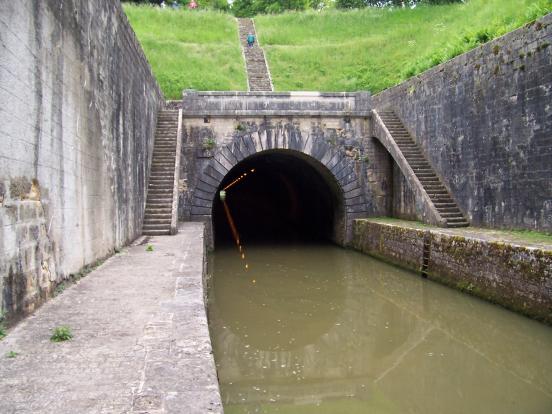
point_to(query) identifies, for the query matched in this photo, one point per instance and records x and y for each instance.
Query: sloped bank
(515, 275)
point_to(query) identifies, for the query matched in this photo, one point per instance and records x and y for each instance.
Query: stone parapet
(232, 104)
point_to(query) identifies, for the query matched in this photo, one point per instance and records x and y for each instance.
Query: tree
(357, 4)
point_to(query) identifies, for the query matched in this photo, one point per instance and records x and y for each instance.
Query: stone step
(163, 158)
(158, 204)
(164, 232)
(445, 205)
(431, 192)
(158, 216)
(157, 221)
(451, 215)
(162, 178)
(458, 224)
(447, 210)
(159, 210)
(460, 219)
(162, 226)
(165, 194)
(161, 185)
(445, 198)
(162, 174)
(157, 199)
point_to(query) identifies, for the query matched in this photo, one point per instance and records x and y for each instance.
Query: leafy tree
(357, 4)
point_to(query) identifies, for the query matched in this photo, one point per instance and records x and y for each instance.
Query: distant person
(250, 39)
(175, 5)
(163, 5)
(192, 5)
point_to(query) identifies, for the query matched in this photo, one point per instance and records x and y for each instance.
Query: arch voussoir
(223, 161)
(229, 155)
(247, 146)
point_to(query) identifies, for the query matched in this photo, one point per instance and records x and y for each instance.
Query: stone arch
(335, 165)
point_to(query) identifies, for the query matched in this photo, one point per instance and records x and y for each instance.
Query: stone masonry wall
(210, 149)
(78, 107)
(484, 120)
(517, 277)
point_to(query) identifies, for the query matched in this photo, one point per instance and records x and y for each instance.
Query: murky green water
(319, 329)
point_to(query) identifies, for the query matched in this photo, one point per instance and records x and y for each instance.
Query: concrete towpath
(141, 342)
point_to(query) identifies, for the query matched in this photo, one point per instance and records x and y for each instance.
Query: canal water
(320, 329)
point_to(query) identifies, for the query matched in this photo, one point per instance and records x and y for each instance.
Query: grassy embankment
(198, 50)
(369, 49)
(374, 49)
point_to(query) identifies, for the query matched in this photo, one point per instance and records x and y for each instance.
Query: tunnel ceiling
(285, 196)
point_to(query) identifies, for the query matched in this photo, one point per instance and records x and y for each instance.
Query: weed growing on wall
(3, 331)
(61, 333)
(59, 289)
(11, 354)
(149, 248)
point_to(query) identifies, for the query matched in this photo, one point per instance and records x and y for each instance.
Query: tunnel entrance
(279, 196)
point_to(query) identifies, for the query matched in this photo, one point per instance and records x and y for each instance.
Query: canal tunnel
(279, 196)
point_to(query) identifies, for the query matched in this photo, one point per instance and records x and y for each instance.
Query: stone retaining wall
(484, 119)
(517, 277)
(78, 108)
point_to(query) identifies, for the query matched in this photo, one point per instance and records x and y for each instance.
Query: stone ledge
(235, 103)
(511, 273)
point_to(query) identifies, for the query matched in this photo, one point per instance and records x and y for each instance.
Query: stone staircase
(258, 76)
(432, 185)
(159, 202)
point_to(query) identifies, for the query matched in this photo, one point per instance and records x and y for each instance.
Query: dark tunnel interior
(284, 197)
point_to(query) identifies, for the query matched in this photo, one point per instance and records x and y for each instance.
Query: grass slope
(189, 49)
(373, 49)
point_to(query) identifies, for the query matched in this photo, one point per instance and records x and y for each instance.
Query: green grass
(373, 49)
(369, 49)
(189, 49)
(61, 333)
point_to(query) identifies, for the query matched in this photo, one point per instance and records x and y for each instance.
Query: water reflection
(323, 329)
